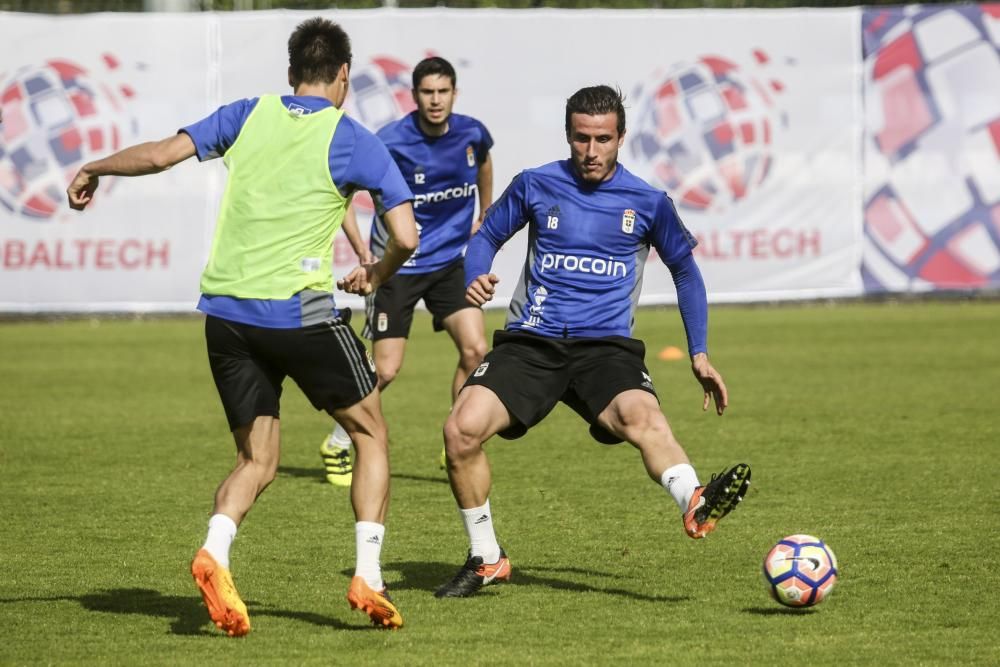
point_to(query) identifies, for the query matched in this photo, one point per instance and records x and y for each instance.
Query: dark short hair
(431, 66)
(316, 51)
(595, 101)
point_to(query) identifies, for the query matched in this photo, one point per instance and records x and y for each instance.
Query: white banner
(932, 148)
(750, 119)
(74, 89)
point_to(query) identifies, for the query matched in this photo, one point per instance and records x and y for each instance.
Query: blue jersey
(587, 246)
(441, 172)
(358, 161)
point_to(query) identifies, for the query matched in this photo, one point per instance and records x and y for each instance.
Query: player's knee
(460, 439)
(473, 354)
(386, 375)
(263, 467)
(642, 421)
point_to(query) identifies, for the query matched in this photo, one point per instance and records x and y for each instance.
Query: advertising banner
(813, 153)
(75, 89)
(932, 148)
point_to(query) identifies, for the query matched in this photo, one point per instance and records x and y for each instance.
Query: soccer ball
(800, 571)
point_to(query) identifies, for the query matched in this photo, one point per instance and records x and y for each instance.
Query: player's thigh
(478, 414)
(444, 297)
(527, 373)
(601, 372)
(388, 353)
(633, 413)
(466, 328)
(249, 385)
(389, 311)
(328, 362)
(364, 418)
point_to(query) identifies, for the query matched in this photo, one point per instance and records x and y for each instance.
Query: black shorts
(531, 373)
(389, 311)
(328, 362)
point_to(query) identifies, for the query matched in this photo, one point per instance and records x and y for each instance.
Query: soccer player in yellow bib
(267, 293)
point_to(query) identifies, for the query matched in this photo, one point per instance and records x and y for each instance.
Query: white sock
(368, 538)
(479, 525)
(339, 437)
(221, 533)
(680, 481)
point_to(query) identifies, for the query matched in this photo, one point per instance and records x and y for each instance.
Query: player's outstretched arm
(481, 289)
(711, 381)
(402, 242)
(151, 157)
(484, 186)
(353, 234)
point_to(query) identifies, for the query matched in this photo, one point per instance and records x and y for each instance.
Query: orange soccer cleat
(376, 604)
(715, 500)
(219, 593)
(474, 575)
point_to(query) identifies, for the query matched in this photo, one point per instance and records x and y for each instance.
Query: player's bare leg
(477, 415)
(635, 416)
(335, 449)
(258, 447)
(366, 427)
(388, 354)
(466, 329)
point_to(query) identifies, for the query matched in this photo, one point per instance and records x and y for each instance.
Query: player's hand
(481, 289)
(361, 280)
(711, 382)
(81, 189)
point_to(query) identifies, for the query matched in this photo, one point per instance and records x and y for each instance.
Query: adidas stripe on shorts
(327, 361)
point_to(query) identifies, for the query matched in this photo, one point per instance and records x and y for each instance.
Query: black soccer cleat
(715, 500)
(474, 575)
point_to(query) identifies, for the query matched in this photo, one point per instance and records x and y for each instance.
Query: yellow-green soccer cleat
(337, 461)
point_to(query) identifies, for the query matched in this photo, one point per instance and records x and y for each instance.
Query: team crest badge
(383, 322)
(628, 220)
(481, 371)
(470, 156)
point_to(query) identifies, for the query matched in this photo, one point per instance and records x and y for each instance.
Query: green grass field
(873, 426)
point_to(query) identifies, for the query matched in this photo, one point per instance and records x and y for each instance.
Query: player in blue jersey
(568, 335)
(445, 158)
(267, 293)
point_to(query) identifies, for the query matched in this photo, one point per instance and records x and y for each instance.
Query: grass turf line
(874, 427)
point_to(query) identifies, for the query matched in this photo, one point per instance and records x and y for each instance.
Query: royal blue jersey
(358, 161)
(441, 172)
(587, 246)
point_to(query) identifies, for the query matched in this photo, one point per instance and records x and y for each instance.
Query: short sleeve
(215, 134)
(484, 144)
(360, 161)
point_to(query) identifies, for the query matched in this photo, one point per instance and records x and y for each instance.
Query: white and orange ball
(800, 571)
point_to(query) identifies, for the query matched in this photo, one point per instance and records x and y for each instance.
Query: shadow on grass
(188, 615)
(317, 474)
(430, 576)
(443, 479)
(777, 611)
